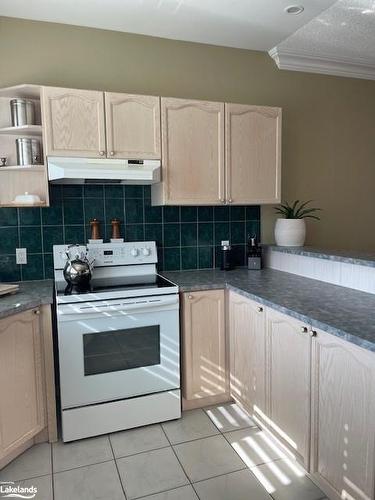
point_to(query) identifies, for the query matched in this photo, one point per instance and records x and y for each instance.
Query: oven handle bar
(117, 306)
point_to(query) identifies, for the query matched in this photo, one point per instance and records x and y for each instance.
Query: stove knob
(134, 252)
(146, 252)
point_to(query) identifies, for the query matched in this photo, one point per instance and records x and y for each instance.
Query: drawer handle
(313, 333)
(260, 309)
(304, 329)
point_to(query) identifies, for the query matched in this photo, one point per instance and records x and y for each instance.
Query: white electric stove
(119, 342)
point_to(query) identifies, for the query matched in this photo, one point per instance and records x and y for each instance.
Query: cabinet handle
(304, 329)
(260, 309)
(230, 200)
(221, 200)
(313, 333)
(101, 153)
(190, 297)
(36, 311)
(111, 153)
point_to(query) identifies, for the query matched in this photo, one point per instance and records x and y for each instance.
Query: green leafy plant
(298, 210)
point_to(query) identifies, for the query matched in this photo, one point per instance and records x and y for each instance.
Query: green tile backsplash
(187, 237)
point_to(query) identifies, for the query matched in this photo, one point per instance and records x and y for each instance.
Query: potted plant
(290, 230)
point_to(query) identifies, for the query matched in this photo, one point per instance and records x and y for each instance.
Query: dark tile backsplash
(187, 237)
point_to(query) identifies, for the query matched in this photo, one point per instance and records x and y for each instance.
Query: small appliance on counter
(254, 254)
(226, 263)
(118, 340)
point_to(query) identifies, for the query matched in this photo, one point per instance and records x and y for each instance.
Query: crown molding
(298, 61)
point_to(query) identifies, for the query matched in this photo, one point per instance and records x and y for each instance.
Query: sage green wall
(328, 122)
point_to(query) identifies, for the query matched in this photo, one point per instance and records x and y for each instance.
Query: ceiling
(248, 24)
(339, 41)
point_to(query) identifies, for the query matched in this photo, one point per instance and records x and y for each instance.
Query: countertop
(341, 311)
(348, 256)
(31, 294)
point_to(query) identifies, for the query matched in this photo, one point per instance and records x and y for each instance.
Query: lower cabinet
(289, 382)
(247, 328)
(27, 406)
(204, 350)
(22, 414)
(343, 415)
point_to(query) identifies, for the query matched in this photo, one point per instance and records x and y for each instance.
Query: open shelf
(22, 205)
(28, 91)
(22, 130)
(35, 168)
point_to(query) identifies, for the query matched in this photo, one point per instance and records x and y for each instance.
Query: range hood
(63, 170)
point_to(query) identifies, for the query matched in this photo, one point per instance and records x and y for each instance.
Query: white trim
(327, 65)
(337, 273)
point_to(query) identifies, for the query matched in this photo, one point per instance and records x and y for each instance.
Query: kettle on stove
(78, 269)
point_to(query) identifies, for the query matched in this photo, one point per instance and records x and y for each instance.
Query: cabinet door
(193, 152)
(253, 153)
(22, 413)
(73, 122)
(132, 126)
(204, 345)
(247, 334)
(343, 438)
(289, 380)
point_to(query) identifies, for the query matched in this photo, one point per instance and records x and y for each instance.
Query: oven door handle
(74, 310)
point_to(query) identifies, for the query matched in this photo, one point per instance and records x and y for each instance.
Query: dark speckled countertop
(31, 294)
(341, 311)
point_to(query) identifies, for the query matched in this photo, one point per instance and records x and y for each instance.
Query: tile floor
(212, 454)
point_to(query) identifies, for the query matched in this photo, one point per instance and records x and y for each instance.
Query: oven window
(119, 350)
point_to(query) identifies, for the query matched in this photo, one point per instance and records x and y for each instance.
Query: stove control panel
(110, 254)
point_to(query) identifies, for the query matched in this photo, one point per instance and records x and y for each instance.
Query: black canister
(226, 256)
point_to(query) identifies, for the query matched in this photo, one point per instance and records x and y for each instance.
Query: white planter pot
(290, 232)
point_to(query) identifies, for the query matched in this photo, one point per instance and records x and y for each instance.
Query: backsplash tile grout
(187, 237)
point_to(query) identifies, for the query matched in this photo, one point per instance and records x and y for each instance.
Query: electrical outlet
(21, 256)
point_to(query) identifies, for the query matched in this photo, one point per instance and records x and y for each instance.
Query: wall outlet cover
(21, 256)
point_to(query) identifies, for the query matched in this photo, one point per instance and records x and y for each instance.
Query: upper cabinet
(91, 124)
(74, 122)
(212, 156)
(133, 126)
(252, 154)
(193, 153)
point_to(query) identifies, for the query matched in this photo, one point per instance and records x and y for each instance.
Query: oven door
(118, 349)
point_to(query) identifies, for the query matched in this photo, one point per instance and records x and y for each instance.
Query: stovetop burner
(115, 283)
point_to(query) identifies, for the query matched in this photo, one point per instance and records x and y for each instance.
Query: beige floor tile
(79, 453)
(229, 417)
(34, 462)
(42, 484)
(254, 446)
(150, 472)
(183, 493)
(99, 482)
(241, 485)
(286, 480)
(193, 424)
(139, 440)
(208, 457)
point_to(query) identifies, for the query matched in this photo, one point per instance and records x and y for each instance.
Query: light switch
(21, 256)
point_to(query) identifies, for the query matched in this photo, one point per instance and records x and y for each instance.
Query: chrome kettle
(78, 269)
